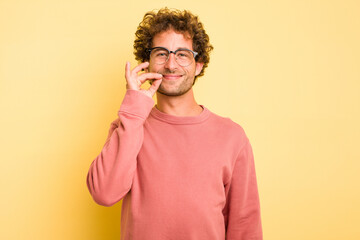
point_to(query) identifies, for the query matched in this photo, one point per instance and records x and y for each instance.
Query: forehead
(172, 40)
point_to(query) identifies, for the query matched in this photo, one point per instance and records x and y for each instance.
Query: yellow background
(287, 71)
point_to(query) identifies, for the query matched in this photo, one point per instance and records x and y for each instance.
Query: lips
(172, 76)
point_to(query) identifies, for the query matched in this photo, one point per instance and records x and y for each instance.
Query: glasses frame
(174, 52)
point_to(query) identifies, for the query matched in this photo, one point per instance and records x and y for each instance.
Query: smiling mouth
(172, 76)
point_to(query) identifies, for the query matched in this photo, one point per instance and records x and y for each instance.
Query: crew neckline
(164, 117)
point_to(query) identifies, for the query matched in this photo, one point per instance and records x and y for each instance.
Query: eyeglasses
(183, 56)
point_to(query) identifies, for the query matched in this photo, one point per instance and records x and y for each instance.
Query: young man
(182, 171)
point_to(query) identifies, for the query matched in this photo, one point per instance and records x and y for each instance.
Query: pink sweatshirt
(180, 178)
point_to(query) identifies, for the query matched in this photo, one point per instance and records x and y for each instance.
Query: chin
(172, 93)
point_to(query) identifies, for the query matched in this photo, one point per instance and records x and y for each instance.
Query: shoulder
(229, 127)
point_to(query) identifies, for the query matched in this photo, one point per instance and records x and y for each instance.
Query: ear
(198, 68)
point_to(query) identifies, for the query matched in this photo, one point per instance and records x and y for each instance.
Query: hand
(134, 81)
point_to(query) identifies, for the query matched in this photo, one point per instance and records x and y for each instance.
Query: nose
(171, 62)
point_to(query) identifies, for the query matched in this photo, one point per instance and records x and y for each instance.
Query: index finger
(127, 70)
(141, 66)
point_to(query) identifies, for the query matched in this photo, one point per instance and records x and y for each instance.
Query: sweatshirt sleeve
(111, 173)
(242, 209)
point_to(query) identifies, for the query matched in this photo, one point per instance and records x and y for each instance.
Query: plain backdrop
(286, 71)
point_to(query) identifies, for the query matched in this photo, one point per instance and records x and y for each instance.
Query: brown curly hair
(180, 21)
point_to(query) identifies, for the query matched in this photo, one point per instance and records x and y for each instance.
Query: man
(182, 171)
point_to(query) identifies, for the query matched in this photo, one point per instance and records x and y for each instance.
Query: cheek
(191, 71)
(153, 68)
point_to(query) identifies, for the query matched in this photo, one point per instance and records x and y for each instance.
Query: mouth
(171, 76)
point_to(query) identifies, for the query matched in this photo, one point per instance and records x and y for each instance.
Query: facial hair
(183, 87)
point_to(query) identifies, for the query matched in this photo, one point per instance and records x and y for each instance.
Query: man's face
(177, 80)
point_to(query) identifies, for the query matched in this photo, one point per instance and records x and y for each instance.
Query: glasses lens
(184, 57)
(159, 55)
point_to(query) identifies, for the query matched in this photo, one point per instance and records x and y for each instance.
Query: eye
(184, 54)
(160, 54)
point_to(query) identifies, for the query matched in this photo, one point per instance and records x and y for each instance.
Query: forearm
(111, 173)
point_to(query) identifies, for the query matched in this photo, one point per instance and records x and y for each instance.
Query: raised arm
(111, 173)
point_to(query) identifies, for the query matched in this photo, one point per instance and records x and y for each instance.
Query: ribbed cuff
(136, 103)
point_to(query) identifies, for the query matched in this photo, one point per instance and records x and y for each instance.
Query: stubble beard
(183, 87)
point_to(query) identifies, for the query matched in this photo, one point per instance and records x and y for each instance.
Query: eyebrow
(180, 48)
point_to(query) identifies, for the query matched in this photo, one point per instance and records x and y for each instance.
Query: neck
(184, 105)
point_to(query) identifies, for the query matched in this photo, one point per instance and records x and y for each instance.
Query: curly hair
(180, 21)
